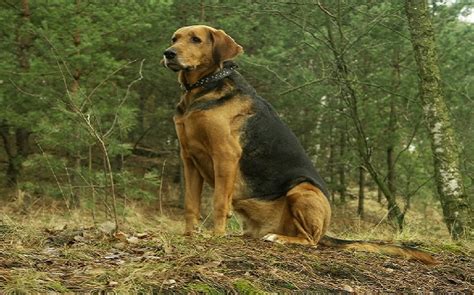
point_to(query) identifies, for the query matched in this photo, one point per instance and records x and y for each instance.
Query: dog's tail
(407, 252)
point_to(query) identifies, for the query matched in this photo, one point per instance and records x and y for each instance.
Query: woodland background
(86, 108)
(80, 76)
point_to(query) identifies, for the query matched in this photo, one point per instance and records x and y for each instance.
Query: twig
(92, 131)
(161, 187)
(88, 97)
(127, 93)
(323, 9)
(409, 142)
(270, 70)
(24, 91)
(54, 175)
(410, 194)
(301, 86)
(382, 219)
(71, 192)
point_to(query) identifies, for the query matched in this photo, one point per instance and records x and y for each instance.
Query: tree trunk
(75, 161)
(341, 166)
(332, 176)
(392, 126)
(17, 146)
(360, 207)
(203, 11)
(345, 79)
(444, 145)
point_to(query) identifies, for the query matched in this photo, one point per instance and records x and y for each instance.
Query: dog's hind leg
(308, 217)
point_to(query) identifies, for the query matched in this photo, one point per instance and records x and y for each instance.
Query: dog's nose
(169, 53)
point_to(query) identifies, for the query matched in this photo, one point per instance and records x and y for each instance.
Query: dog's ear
(224, 47)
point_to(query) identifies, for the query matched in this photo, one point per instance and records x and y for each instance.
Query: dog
(233, 139)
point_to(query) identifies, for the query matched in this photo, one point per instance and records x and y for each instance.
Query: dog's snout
(169, 53)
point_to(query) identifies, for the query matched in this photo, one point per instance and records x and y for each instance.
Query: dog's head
(199, 48)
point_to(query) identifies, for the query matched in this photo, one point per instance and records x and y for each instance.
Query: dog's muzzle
(170, 53)
(170, 60)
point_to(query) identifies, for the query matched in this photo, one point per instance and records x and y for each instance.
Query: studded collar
(209, 80)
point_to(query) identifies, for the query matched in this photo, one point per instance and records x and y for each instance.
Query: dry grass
(44, 251)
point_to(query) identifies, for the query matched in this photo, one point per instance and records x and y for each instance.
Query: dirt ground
(41, 252)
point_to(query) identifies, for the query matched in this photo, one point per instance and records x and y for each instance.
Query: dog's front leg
(192, 198)
(226, 163)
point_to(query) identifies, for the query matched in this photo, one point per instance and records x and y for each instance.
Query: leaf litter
(68, 258)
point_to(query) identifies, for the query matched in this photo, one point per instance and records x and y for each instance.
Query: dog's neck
(195, 81)
(191, 77)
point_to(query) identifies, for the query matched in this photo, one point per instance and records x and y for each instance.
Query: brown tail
(406, 252)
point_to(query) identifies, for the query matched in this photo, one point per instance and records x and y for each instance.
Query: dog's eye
(174, 39)
(196, 40)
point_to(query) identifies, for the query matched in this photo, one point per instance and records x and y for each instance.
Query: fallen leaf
(133, 240)
(112, 256)
(79, 238)
(50, 251)
(56, 228)
(121, 236)
(112, 284)
(94, 271)
(139, 251)
(119, 245)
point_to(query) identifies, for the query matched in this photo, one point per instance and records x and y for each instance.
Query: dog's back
(273, 160)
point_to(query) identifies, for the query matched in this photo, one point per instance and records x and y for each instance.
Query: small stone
(169, 282)
(107, 227)
(348, 288)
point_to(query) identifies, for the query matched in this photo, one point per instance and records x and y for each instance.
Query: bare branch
(301, 86)
(323, 9)
(24, 91)
(127, 93)
(88, 97)
(415, 130)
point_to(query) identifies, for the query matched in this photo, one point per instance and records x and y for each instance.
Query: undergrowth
(48, 250)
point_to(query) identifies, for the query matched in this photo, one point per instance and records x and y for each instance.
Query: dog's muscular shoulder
(272, 160)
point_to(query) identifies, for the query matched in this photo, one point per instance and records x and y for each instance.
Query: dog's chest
(195, 143)
(207, 134)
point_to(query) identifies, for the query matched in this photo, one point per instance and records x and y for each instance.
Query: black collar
(209, 80)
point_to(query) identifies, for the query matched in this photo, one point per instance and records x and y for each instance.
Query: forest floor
(44, 251)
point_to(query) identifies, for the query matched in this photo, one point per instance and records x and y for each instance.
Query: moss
(342, 271)
(289, 285)
(243, 286)
(57, 287)
(202, 288)
(457, 248)
(25, 282)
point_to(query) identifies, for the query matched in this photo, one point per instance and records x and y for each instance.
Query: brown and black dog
(233, 139)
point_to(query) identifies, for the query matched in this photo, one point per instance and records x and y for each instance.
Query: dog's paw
(230, 214)
(273, 238)
(219, 233)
